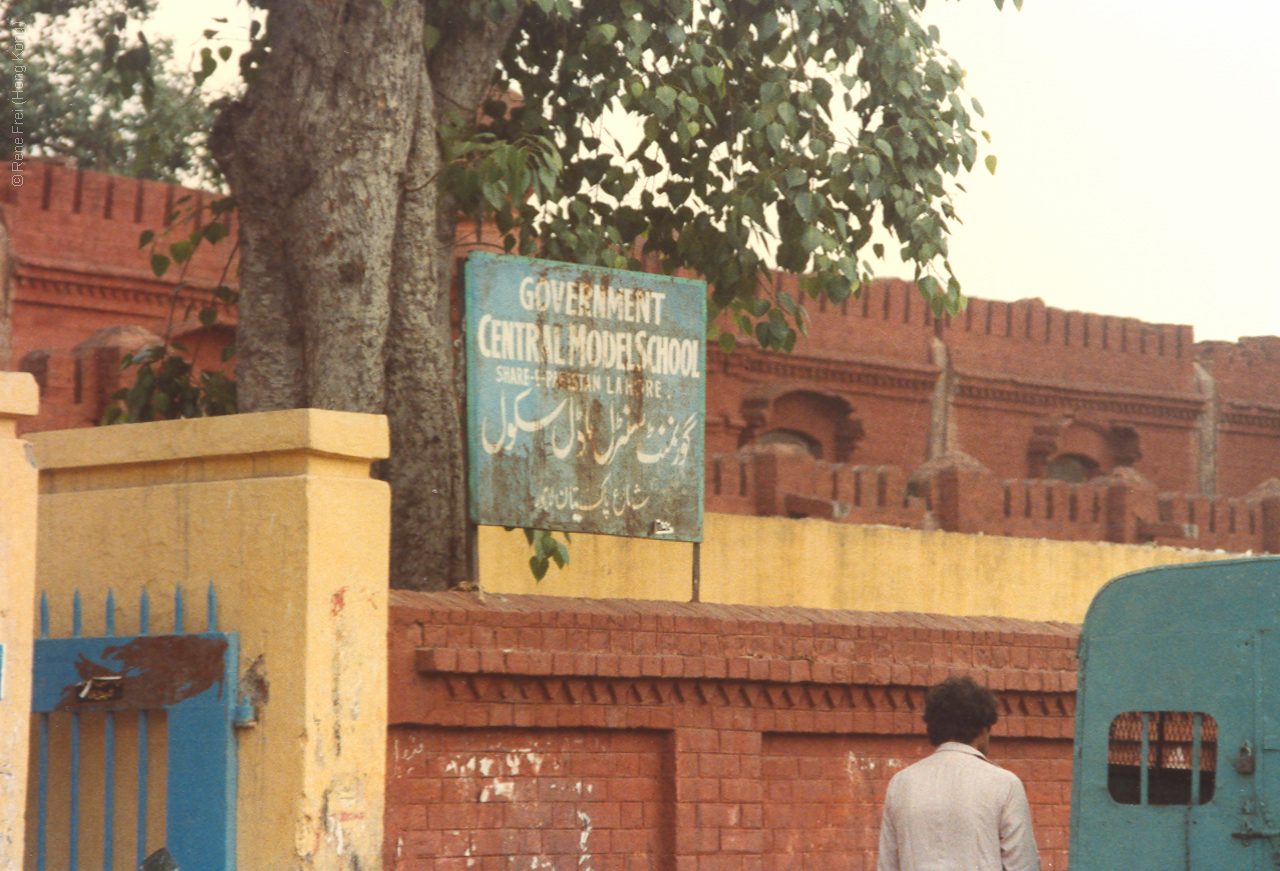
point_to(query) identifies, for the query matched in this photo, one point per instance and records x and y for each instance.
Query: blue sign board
(586, 396)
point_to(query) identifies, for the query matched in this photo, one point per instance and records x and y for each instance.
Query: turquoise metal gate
(1177, 750)
(135, 744)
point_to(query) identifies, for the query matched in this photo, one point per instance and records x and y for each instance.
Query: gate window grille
(1162, 758)
(134, 744)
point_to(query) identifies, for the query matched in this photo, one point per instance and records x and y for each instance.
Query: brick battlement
(70, 220)
(1030, 320)
(889, 320)
(771, 483)
(964, 497)
(50, 186)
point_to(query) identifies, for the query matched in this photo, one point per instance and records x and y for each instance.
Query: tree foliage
(166, 384)
(98, 92)
(722, 137)
(730, 137)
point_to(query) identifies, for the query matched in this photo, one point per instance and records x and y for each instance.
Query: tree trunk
(347, 246)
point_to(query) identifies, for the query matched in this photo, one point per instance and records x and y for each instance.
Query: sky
(1138, 147)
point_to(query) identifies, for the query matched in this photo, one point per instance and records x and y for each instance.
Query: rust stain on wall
(158, 671)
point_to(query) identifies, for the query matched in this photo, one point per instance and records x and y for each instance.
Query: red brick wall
(541, 733)
(77, 265)
(869, 383)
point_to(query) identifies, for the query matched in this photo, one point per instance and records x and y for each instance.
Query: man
(954, 810)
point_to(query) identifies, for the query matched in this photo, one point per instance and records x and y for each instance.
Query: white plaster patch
(498, 789)
(584, 859)
(462, 769)
(855, 765)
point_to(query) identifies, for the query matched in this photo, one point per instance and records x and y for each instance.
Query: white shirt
(956, 811)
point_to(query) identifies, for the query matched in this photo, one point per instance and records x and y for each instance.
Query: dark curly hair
(958, 709)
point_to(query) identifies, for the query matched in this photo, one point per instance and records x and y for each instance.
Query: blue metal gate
(1177, 748)
(127, 725)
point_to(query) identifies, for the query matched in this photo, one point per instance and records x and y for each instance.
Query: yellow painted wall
(18, 398)
(819, 564)
(279, 512)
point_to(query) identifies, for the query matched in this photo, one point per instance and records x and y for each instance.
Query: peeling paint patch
(461, 769)
(584, 859)
(157, 671)
(855, 765)
(498, 789)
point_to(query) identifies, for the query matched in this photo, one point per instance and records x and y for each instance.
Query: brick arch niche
(821, 424)
(1076, 449)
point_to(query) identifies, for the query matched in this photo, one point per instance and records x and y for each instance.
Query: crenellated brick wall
(535, 732)
(890, 321)
(76, 267)
(880, 390)
(957, 494)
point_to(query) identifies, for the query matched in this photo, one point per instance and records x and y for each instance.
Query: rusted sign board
(586, 395)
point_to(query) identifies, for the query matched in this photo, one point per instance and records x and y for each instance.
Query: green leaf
(215, 232)
(806, 205)
(180, 251)
(991, 163)
(716, 76)
(639, 31)
(159, 264)
(538, 566)
(666, 95)
(811, 239)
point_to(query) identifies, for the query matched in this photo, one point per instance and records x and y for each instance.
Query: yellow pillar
(18, 398)
(278, 511)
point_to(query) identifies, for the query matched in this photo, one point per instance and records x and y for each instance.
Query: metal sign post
(586, 397)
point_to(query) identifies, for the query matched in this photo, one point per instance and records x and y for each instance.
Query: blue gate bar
(109, 791)
(200, 788)
(73, 851)
(142, 787)
(42, 787)
(42, 798)
(109, 759)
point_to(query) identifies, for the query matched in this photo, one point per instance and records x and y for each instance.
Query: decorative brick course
(536, 732)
